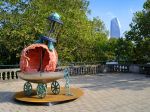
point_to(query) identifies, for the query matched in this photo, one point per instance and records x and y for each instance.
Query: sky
(122, 9)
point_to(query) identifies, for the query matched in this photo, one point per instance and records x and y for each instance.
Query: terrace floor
(113, 92)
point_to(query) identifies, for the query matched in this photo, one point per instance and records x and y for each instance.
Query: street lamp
(55, 25)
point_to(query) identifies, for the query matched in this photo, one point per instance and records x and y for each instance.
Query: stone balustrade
(118, 68)
(7, 74)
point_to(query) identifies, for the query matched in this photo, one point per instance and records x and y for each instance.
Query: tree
(110, 49)
(22, 20)
(139, 34)
(124, 50)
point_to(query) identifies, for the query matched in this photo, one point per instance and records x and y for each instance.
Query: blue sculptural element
(55, 17)
(54, 31)
(50, 41)
(67, 78)
(55, 23)
(114, 28)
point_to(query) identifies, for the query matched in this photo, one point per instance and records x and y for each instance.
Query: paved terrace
(102, 93)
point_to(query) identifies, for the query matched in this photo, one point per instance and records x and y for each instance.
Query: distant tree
(110, 49)
(139, 34)
(124, 50)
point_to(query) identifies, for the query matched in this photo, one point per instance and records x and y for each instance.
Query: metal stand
(67, 85)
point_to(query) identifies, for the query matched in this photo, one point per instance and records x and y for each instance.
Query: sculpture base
(50, 98)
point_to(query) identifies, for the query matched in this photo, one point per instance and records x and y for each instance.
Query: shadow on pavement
(9, 97)
(121, 81)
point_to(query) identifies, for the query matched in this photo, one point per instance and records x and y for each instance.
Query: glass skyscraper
(114, 28)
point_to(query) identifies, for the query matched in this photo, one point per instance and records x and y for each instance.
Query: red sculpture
(37, 57)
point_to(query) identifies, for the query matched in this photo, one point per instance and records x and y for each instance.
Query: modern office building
(115, 28)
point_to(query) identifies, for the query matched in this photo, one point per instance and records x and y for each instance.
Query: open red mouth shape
(38, 58)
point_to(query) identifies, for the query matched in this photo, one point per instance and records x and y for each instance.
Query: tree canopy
(139, 34)
(80, 39)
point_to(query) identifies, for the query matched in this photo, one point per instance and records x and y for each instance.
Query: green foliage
(124, 50)
(111, 46)
(140, 34)
(81, 39)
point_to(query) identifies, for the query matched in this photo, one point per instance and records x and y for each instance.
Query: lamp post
(55, 25)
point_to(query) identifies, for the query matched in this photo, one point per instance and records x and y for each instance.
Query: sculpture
(38, 64)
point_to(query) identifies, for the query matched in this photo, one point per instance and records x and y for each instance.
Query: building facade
(115, 28)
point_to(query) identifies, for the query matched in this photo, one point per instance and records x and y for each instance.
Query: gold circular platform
(61, 97)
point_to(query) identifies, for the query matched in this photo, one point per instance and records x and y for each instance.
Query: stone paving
(102, 93)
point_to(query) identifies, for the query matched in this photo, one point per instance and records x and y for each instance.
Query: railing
(83, 70)
(7, 74)
(118, 68)
(145, 69)
(95, 69)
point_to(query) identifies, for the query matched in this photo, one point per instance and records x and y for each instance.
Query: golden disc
(50, 97)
